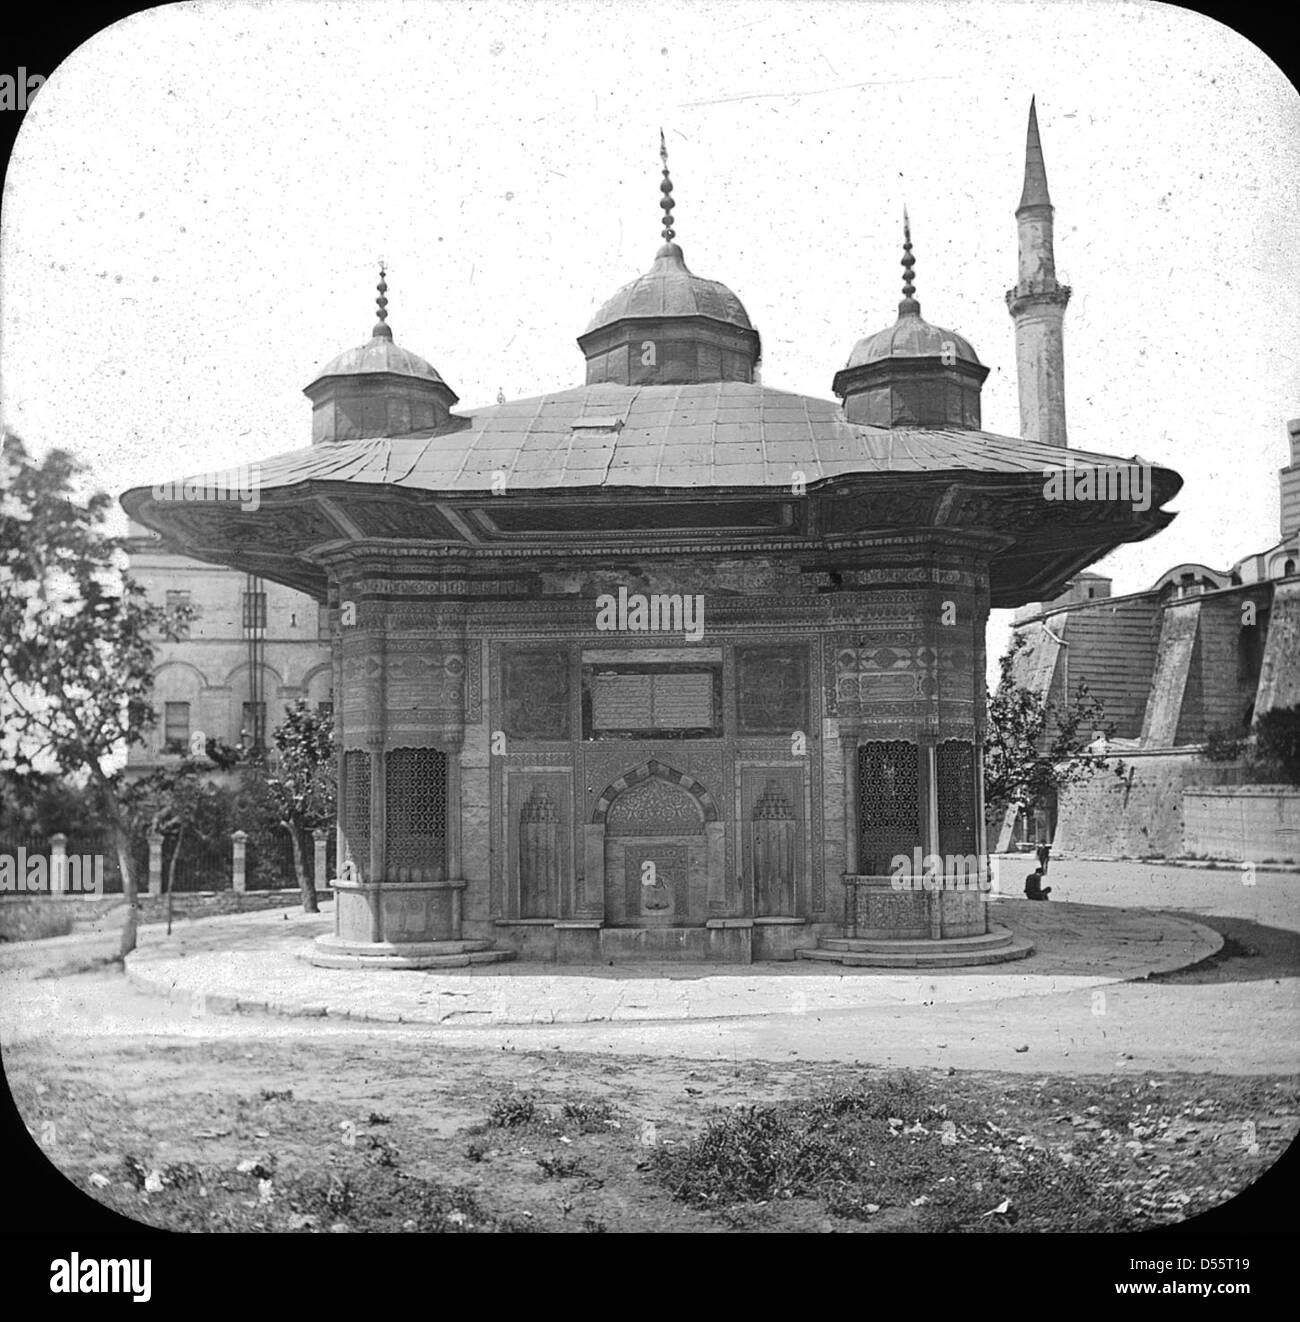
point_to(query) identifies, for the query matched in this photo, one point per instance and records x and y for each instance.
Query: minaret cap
(1034, 193)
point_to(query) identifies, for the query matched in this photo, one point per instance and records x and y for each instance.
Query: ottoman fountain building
(669, 664)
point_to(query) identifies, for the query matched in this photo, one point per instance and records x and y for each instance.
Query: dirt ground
(256, 1122)
(242, 1122)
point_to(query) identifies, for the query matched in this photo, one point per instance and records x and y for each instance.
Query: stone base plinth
(995, 946)
(332, 952)
(400, 925)
(780, 938)
(403, 912)
(717, 941)
(721, 940)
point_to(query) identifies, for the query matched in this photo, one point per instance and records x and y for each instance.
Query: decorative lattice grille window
(955, 774)
(416, 798)
(889, 804)
(356, 807)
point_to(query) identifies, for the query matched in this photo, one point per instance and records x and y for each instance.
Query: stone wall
(1138, 815)
(1260, 823)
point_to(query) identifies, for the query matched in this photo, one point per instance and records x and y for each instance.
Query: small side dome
(911, 336)
(377, 389)
(912, 374)
(670, 326)
(379, 354)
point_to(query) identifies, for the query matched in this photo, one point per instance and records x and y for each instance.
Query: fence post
(320, 863)
(240, 839)
(155, 863)
(58, 863)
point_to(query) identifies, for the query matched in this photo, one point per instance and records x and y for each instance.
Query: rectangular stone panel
(535, 693)
(771, 689)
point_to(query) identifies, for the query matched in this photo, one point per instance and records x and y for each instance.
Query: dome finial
(666, 188)
(382, 330)
(909, 304)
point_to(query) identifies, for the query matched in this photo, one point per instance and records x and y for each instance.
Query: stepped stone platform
(996, 946)
(335, 952)
(261, 963)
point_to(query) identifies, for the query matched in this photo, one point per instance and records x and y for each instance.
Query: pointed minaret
(1037, 304)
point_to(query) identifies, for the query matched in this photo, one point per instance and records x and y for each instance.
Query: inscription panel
(640, 700)
(651, 702)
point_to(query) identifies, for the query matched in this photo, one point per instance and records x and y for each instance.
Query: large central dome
(670, 326)
(670, 289)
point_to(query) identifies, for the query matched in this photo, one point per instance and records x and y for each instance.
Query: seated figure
(1034, 888)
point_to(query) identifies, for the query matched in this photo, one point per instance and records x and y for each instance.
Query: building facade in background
(253, 649)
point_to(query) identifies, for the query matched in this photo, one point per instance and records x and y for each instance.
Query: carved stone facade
(584, 784)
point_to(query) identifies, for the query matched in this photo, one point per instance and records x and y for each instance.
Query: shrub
(513, 1111)
(1277, 740)
(1222, 745)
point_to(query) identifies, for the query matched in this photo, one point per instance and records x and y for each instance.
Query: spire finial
(666, 188)
(909, 304)
(1034, 193)
(382, 330)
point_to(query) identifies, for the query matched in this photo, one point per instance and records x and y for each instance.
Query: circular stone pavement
(254, 962)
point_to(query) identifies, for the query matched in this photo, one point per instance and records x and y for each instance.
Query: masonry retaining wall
(1139, 815)
(1259, 823)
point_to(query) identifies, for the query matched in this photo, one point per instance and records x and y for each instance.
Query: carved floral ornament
(655, 807)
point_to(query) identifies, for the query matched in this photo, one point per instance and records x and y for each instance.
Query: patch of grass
(380, 1152)
(561, 1168)
(513, 1111)
(369, 1197)
(752, 1155)
(889, 1145)
(590, 1117)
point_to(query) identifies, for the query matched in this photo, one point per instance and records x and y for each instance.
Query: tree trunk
(125, 860)
(306, 884)
(171, 876)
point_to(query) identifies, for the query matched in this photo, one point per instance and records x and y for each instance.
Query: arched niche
(656, 843)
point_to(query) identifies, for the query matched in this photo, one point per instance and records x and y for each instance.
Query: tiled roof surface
(717, 434)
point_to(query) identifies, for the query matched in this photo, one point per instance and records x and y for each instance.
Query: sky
(199, 196)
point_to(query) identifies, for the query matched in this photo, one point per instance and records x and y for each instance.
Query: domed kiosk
(670, 665)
